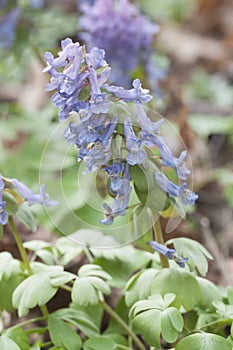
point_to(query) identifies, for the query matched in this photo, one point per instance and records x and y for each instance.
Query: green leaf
(10, 277)
(63, 278)
(148, 324)
(7, 344)
(62, 334)
(138, 287)
(19, 337)
(209, 294)
(169, 333)
(203, 341)
(195, 252)
(34, 290)
(148, 191)
(224, 310)
(11, 202)
(84, 293)
(90, 282)
(99, 343)
(93, 270)
(68, 249)
(169, 321)
(80, 318)
(141, 226)
(179, 282)
(8, 265)
(7, 287)
(24, 214)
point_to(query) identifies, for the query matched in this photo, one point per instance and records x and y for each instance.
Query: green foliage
(19, 337)
(6, 343)
(90, 283)
(153, 317)
(99, 343)
(179, 282)
(139, 286)
(25, 215)
(63, 335)
(10, 271)
(39, 288)
(204, 341)
(194, 251)
(146, 188)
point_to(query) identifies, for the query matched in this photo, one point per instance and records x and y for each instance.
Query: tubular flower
(169, 253)
(80, 81)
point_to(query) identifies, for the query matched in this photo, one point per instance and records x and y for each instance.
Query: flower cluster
(23, 194)
(169, 253)
(81, 88)
(126, 36)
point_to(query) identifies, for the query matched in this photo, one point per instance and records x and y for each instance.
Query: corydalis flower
(122, 31)
(187, 197)
(137, 94)
(79, 70)
(169, 253)
(150, 135)
(32, 198)
(120, 186)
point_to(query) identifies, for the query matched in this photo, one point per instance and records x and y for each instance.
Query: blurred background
(181, 50)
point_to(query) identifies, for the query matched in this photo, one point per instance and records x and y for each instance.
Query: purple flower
(137, 94)
(122, 31)
(3, 213)
(168, 159)
(169, 253)
(98, 152)
(31, 197)
(122, 192)
(136, 155)
(8, 26)
(115, 172)
(150, 136)
(187, 197)
(71, 72)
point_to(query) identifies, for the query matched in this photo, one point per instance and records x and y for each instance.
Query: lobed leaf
(138, 287)
(195, 252)
(99, 343)
(62, 334)
(34, 290)
(203, 341)
(7, 344)
(179, 282)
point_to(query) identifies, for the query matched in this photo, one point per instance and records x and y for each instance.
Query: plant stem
(35, 319)
(159, 239)
(122, 323)
(24, 257)
(20, 246)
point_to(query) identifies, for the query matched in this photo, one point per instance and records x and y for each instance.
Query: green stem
(24, 257)
(224, 321)
(122, 323)
(25, 323)
(123, 347)
(20, 246)
(159, 239)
